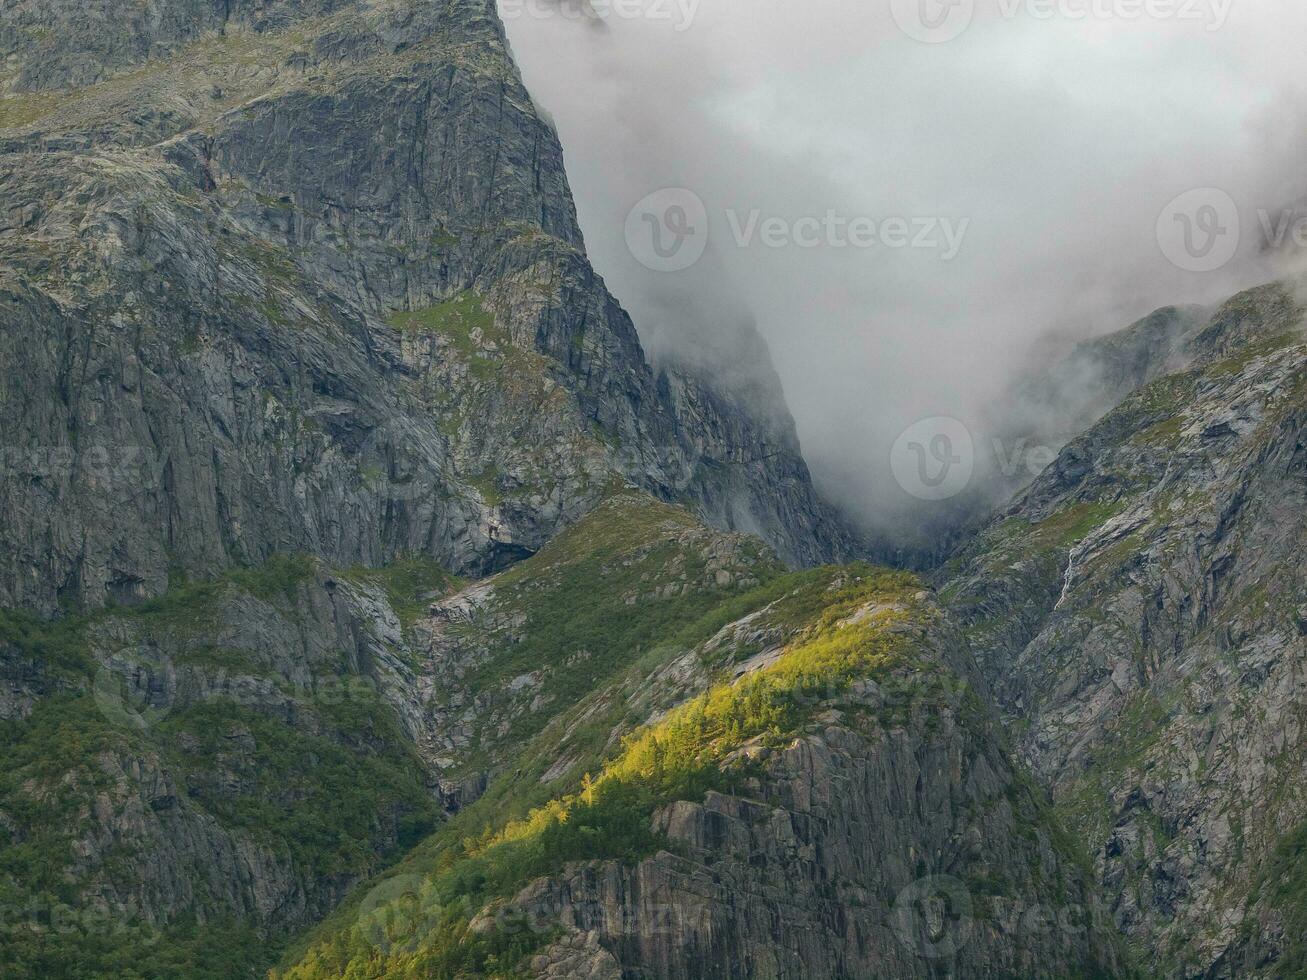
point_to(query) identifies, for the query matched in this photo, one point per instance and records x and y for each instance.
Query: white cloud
(1062, 140)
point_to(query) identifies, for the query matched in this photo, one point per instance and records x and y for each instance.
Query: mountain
(372, 607)
(338, 532)
(1141, 612)
(796, 781)
(649, 746)
(307, 278)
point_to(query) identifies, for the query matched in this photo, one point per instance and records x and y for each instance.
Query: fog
(1043, 146)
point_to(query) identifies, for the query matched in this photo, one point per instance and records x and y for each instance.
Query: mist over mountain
(1055, 142)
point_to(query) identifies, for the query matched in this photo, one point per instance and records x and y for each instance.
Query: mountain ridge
(326, 263)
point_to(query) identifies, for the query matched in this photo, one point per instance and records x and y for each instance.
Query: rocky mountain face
(306, 277)
(1141, 612)
(755, 766)
(370, 607)
(803, 779)
(191, 779)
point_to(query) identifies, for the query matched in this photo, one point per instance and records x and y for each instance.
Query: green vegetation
(1131, 737)
(630, 582)
(410, 584)
(576, 736)
(1283, 883)
(61, 648)
(19, 110)
(693, 749)
(1071, 526)
(1016, 539)
(324, 777)
(1239, 361)
(51, 779)
(470, 327)
(58, 646)
(464, 320)
(338, 796)
(275, 203)
(58, 942)
(487, 484)
(48, 780)
(338, 783)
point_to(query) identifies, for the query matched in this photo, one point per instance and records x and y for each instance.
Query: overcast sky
(1033, 156)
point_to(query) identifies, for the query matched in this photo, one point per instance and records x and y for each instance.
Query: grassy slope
(635, 582)
(319, 781)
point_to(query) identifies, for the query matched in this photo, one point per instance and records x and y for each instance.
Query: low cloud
(1019, 182)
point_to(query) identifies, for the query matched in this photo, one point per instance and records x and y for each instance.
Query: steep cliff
(286, 277)
(1142, 614)
(647, 745)
(343, 574)
(188, 782)
(297, 322)
(802, 783)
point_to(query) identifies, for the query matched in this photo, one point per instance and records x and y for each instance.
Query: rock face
(306, 277)
(1097, 375)
(876, 827)
(1139, 610)
(215, 769)
(902, 854)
